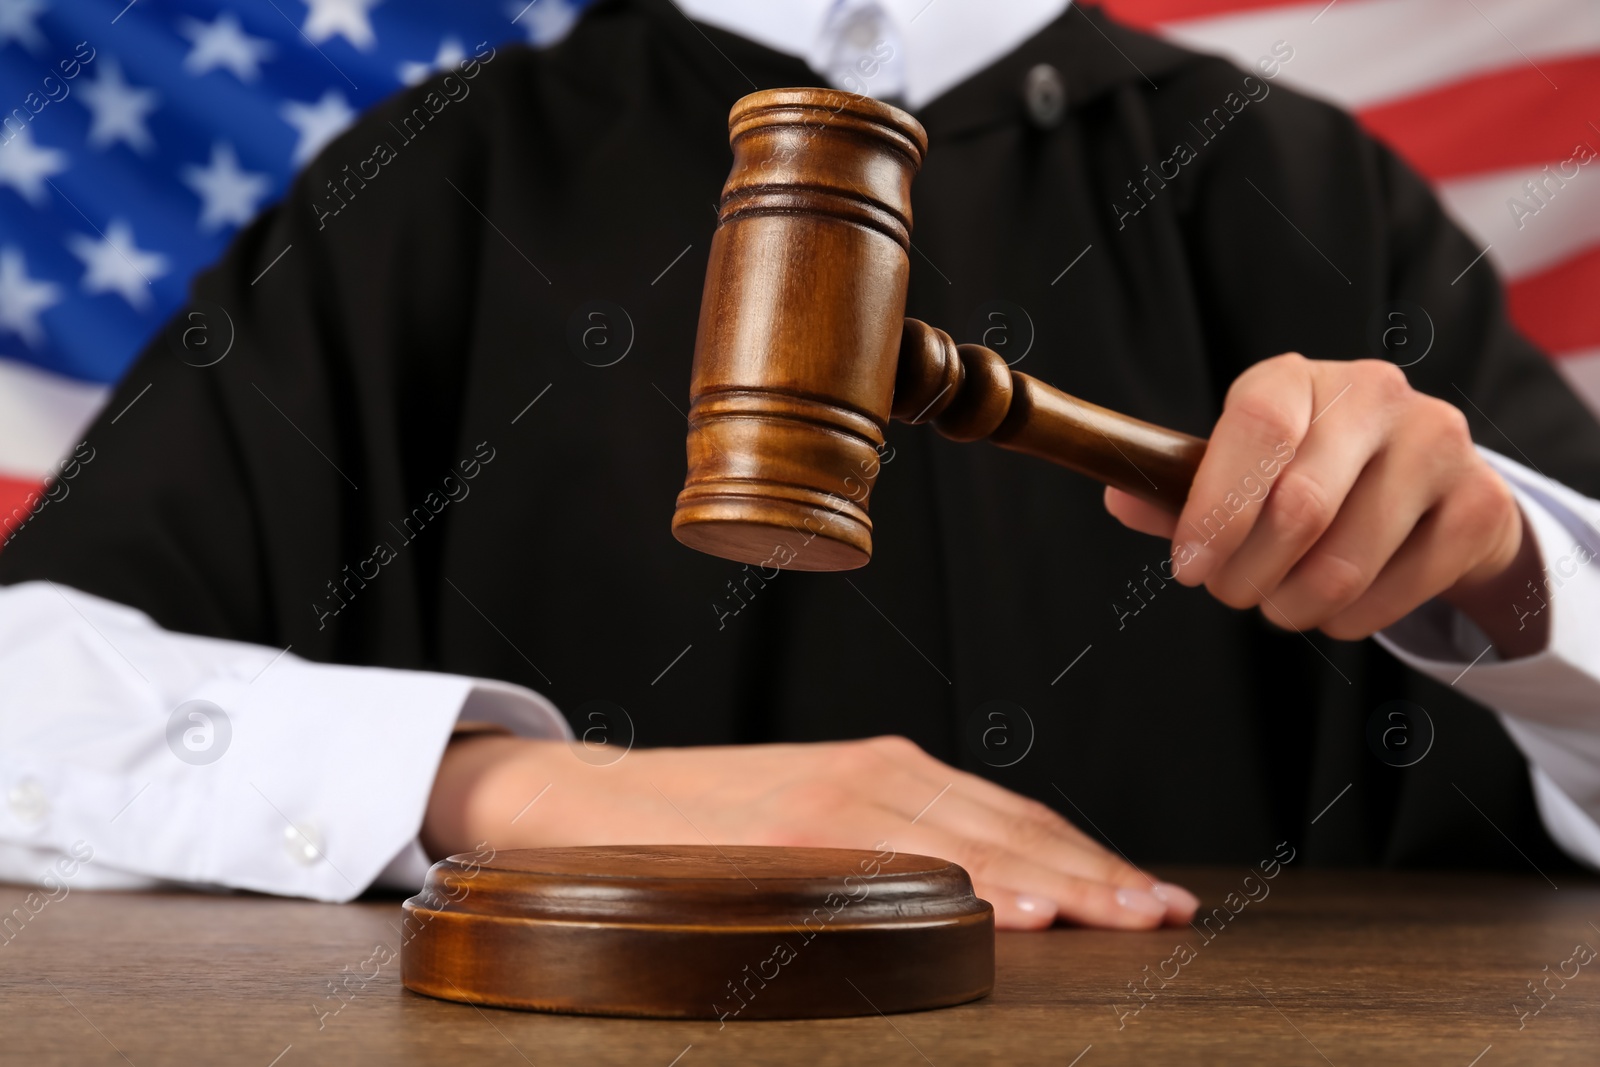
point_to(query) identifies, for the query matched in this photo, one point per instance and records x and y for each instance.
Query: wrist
(1492, 602)
(476, 781)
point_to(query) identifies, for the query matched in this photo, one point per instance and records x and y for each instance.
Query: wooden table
(1329, 968)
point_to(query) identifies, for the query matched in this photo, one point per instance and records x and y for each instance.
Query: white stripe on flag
(42, 416)
(1539, 234)
(1582, 371)
(1364, 52)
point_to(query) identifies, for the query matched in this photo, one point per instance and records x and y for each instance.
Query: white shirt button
(27, 801)
(1046, 95)
(304, 843)
(859, 51)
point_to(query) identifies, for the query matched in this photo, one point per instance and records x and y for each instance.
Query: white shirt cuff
(523, 712)
(1549, 702)
(299, 778)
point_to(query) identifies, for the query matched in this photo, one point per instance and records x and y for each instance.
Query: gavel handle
(969, 393)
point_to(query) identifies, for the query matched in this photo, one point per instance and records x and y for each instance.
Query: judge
(394, 576)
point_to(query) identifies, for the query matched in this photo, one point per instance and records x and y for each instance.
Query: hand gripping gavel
(804, 352)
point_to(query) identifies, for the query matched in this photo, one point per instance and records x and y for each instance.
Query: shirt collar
(933, 44)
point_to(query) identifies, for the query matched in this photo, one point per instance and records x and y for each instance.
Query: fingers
(1032, 872)
(1426, 464)
(1373, 522)
(1429, 562)
(1301, 506)
(1139, 514)
(1035, 865)
(1264, 419)
(1340, 514)
(1052, 843)
(1025, 891)
(1017, 911)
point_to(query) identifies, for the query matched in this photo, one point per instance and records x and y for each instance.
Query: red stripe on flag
(14, 504)
(1511, 118)
(1148, 13)
(1557, 308)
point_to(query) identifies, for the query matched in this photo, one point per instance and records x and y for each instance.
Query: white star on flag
(229, 194)
(317, 123)
(346, 18)
(118, 109)
(25, 166)
(544, 21)
(19, 22)
(450, 53)
(159, 149)
(224, 44)
(22, 298)
(114, 264)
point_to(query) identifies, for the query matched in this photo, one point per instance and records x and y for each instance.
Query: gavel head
(800, 330)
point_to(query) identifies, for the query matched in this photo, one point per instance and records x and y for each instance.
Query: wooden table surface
(1329, 968)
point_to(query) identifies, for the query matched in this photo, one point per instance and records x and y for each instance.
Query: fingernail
(1175, 894)
(1137, 900)
(1034, 905)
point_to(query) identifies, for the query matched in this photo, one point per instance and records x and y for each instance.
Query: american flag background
(139, 136)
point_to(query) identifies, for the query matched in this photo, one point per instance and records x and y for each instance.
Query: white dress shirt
(173, 758)
(923, 47)
(179, 759)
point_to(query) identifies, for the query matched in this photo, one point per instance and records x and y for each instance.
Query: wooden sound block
(699, 932)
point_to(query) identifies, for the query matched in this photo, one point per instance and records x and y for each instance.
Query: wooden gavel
(804, 352)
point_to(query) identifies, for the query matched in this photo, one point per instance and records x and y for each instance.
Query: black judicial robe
(398, 343)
